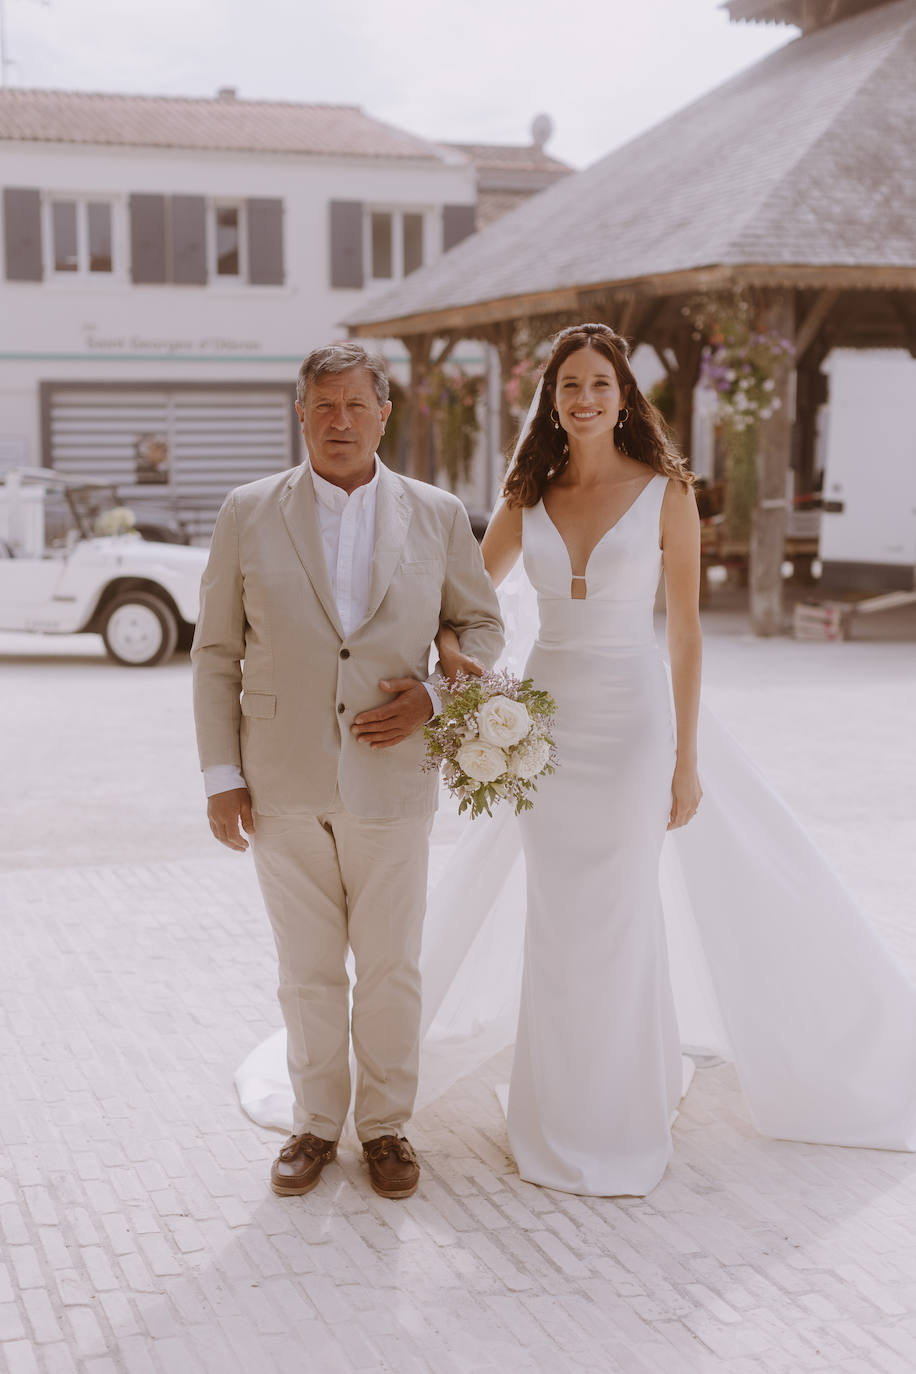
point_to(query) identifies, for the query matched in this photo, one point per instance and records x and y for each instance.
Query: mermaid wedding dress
(728, 937)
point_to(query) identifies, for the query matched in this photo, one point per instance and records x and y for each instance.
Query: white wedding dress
(597, 1072)
(739, 943)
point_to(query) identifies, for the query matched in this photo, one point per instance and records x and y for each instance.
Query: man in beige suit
(324, 590)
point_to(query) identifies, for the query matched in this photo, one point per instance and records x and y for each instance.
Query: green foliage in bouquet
(491, 741)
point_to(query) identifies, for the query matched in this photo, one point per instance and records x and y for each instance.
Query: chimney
(227, 93)
(541, 131)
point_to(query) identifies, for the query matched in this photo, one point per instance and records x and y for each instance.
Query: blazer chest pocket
(259, 705)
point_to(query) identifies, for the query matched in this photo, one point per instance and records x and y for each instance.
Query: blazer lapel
(297, 507)
(392, 517)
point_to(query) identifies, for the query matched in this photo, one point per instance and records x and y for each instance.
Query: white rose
(528, 760)
(481, 761)
(503, 721)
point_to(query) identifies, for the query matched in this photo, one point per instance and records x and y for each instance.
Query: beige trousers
(331, 881)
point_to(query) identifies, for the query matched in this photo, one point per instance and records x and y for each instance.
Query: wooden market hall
(793, 184)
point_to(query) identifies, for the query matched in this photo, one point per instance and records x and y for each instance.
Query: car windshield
(89, 503)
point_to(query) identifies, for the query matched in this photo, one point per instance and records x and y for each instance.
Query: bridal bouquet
(492, 741)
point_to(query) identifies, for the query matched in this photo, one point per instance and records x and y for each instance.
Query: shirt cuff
(434, 697)
(222, 777)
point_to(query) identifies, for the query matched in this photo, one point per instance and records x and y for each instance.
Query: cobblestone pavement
(138, 1231)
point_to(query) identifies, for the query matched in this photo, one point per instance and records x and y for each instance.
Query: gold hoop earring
(554, 418)
(622, 418)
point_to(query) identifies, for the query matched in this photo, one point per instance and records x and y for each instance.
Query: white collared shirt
(347, 525)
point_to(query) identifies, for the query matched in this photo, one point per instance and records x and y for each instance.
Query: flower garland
(739, 364)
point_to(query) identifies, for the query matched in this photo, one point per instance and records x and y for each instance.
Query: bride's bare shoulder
(680, 518)
(506, 519)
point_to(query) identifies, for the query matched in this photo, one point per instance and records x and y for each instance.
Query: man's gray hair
(340, 357)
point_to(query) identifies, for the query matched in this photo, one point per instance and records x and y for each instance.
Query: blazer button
(345, 653)
(341, 708)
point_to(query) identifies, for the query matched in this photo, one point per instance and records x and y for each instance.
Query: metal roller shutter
(201, 442)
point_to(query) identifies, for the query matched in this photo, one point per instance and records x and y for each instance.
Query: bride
(595, 501)
(730, 936)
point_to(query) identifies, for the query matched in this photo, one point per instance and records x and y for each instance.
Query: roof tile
(228, 124)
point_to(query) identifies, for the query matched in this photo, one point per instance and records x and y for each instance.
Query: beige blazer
(276, 682)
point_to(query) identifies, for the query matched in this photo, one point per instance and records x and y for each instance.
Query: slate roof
(807, 14)
(223, 123)
(807, 157)
(516, 157)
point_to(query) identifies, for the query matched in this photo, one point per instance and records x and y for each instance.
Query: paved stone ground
(138, 1232)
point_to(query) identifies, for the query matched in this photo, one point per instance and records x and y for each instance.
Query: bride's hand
(686, 793)
(451, 660)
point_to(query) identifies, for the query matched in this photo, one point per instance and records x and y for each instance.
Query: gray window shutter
(147, 238)
(458, 221)
(22, 233)
(265, 242)
(189, 240)
(347, 243)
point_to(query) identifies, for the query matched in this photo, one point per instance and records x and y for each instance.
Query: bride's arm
(681, 544)
(502, 542)
(501, 546)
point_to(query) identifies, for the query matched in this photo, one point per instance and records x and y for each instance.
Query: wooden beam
(569, 298)
(629, 306)
(814, 321)
(653, 308)
(445, 350)
(905, 309)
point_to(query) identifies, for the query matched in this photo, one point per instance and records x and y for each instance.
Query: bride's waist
(594, 623)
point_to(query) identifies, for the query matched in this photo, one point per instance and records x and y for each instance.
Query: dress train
(772, 964)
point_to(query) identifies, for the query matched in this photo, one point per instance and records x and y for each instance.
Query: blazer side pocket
(259, 705)
(426, 566)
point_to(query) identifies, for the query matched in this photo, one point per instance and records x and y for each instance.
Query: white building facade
(166, 264)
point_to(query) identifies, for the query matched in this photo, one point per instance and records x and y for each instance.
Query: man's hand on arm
(229, 813)
(388, 725)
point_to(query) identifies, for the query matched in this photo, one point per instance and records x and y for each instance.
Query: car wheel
(140, 630)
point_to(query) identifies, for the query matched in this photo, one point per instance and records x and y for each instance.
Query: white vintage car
(73, 560)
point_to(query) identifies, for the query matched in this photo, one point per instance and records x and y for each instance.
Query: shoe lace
(307, 1144)
(386, 1145)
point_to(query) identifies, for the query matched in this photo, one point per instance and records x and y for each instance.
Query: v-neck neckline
(622, 516)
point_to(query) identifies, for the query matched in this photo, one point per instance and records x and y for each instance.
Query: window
(382, 255)
(63, 219)
(98, 223)
(395, 247)
(227, 241)
(81, 235)
(413, 243)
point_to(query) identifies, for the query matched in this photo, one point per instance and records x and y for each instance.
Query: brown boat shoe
(393, 1168)
(298, 1166)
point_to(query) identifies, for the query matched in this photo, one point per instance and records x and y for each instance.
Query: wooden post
(504, 340)
(419, 347)
(768, 525)
(688, 351)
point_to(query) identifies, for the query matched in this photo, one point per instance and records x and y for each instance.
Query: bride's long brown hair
(643, 435)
